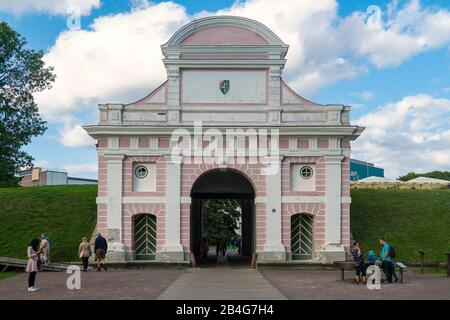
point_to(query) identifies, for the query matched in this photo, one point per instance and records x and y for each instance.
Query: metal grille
(145, 237)
(301, 237)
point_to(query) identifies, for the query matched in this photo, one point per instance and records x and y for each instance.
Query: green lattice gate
(302, 237)
(145, 237)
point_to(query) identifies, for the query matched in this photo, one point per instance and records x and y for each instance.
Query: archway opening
(222, 216)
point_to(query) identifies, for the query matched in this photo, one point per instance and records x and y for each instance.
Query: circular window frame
(311, 172)
(136, 171)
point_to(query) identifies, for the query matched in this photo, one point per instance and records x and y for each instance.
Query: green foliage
(444, 175)
(66, 213)
(220, 220)
(411, 220)
(22, 73)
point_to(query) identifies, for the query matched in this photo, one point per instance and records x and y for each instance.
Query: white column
(333, 199)
(273, 207)
(114, 202)
(173, 94)
(173, 199)
(114, 187)
(274, 93)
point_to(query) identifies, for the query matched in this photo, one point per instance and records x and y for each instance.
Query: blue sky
(401, 63)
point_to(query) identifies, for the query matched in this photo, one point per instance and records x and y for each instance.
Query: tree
(220, 220)
(444, 175)
(22, 73)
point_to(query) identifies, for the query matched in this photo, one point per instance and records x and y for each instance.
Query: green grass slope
(412, 220)
(66, 213)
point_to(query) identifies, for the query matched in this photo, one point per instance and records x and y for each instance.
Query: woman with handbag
(84, 252)
(32, 264)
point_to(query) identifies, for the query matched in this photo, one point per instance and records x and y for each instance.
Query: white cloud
(83, 169)
(405, 32)
(41, 163)
(55, 7)
(75, 137)
(118, 59)
(410, 135)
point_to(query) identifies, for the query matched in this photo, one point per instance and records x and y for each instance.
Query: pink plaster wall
(319, 176)
(323, 143)
(124, 143)
(102, 177)
(303, 143)
(164, 143)
(102, 143)
(227, 35)
(316, 210)
(127, 176)
(131, 210)
(144, 143)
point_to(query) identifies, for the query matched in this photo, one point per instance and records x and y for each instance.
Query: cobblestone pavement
(223, 283)
(113, 284)
(326, 284)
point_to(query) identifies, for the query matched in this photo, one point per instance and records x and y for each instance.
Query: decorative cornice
(97, 131)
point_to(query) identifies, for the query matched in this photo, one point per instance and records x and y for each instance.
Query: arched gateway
(224, 125)
(223, 184)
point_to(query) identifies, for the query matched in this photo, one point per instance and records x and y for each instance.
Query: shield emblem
(224, 86)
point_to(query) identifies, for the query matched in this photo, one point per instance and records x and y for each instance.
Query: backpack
(392, 253)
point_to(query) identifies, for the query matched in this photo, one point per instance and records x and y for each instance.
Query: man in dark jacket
(100, 249)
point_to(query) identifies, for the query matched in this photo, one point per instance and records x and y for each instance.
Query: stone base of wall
(116, 253)
(331, 254)
(170, 256)
(271, 256)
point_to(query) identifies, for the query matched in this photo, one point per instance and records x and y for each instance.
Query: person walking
(44, 249)
(204, 250)
(84, 252)
(32, 264)
(100, 249)
(387, 263)
(47, 237)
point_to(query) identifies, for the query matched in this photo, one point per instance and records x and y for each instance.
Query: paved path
(323, 284)
(113, 284)
(221, 283)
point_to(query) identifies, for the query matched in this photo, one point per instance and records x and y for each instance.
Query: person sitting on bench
(358, 256)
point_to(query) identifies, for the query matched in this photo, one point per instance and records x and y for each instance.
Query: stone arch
(190, 173)
(316, 210)
(302, 236)
(223, 184)
(131, 210)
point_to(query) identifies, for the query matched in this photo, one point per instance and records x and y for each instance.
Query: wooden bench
(345, 265)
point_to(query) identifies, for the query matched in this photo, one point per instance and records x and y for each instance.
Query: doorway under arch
(223, 184)
(144, 236)
(302, 237)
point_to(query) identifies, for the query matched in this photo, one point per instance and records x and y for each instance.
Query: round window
(306, 172)
(140, 172)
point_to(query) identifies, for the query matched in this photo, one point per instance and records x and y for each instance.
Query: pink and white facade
(251, 58)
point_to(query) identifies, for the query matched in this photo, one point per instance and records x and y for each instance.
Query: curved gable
(235, 30)
(224, 35)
